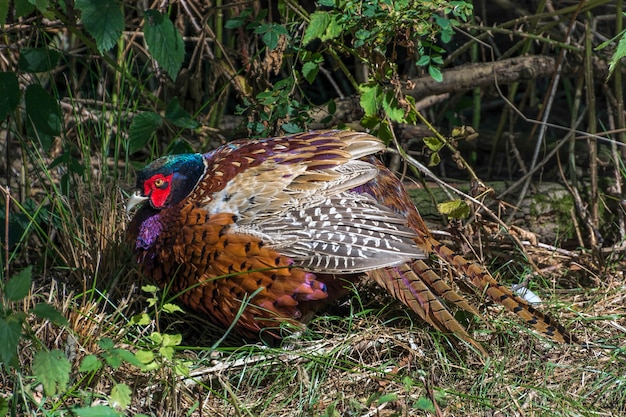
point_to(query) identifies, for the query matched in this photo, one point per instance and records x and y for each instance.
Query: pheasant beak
(134, 199)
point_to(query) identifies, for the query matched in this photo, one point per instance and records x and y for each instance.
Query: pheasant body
(262, 232)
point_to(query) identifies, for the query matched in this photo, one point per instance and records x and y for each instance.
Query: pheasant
(260, 233)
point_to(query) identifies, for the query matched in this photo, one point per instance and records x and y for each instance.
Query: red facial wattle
(158, 188)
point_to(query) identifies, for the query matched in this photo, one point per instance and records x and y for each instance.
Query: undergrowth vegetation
(521, 109)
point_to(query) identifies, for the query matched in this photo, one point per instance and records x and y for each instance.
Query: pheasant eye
(160, 183)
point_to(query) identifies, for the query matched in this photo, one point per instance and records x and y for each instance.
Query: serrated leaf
(144, 356)
(172, 308)
(142, 319)
(38, 59)
(392, 108)
(456, 209)
(47, 312)
(52, 369)
(19, 285)
(271, 34)
(44, 114)
(90, 363)
(104, 20)
(9, 93)
(112, 359)
(620, 52)
(178, 116)
(10, 333)
(96, 411)
(370, 122)
(317, 26)
(142, 128)
(172, 339)
(120, 396)
(310, 70)
(433, 143)
(164, 42)
(370, 98)
(106, 343)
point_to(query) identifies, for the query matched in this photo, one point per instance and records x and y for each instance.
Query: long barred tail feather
(404, 282)
(483, 280)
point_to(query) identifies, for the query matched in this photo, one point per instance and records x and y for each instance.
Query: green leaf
(156, 337)
(291, 127)
(271, 33)
(433, 143)
(424, 60)
(52, 369)
(128, 357)
(23, 8)
(142, 319)
(172, 308)
(234, 23)
(4, 10)
(435, 73)
(104, 20)
(38, 59)
(317, 26)
(144, 356)
(44, 114)
(106, 343)
(435, 159)
(167, 352)
(386, 398)
(47, 312)
(370, 98)
(10, 333)
(620, 52)
(18, 286)
(9, 93)
(120, 396)
(178, 116)
(149, 288)
(310, 70)
(4, 404)
(392, 108)
(425, 404)
(455, 209)
(112, 359)
(90, 363)
(96, 411)
(142, 128)
(172, 339)
(164, 42)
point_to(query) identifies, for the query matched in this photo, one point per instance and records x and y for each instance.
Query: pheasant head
(168, 180)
